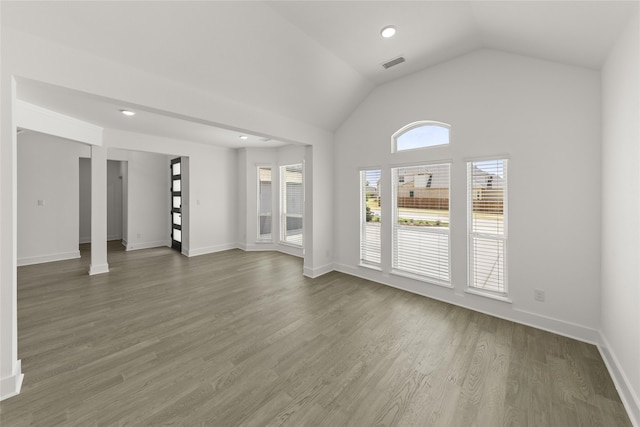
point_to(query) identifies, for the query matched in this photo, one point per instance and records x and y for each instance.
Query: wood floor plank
(243, 339)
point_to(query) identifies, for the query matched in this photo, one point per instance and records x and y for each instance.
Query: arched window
(422, 134)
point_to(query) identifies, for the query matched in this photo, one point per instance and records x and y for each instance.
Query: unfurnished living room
(320, 213)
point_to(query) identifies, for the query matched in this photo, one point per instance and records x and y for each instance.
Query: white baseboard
(10, 386)
(257, 247)
(318, 271)
(147, 245)
(629, 397)
(124, 243)
(85, 239)
(48, 258)
(290, 250)
(114, 237)
(98, 269)
(210, 249)
(476, 303)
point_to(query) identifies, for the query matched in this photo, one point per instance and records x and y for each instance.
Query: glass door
(176, 204)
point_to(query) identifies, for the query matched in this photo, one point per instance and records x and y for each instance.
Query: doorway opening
(176, 204)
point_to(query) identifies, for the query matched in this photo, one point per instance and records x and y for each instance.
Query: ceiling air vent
(394, 61)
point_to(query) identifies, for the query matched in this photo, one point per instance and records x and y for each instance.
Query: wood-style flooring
(243, 339)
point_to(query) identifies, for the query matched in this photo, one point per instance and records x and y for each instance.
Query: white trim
(290, 249)
(62, 256)
(630, 399)
(34, 117)
(211, 249)
(507, 312)
(318, 271)
(85, 239)
(260, 246)
(11, 386)
(371, 266)
(486, 158)
(421, 278)
(148, 245)
(439, 161)
(98, 269)
(488, 294)
(414, 125)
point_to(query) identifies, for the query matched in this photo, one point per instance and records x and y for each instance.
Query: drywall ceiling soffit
(105, 112)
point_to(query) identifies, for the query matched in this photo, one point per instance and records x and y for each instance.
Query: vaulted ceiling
(315, 61)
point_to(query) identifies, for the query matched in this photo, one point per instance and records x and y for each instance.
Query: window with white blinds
(265, 198)
(292, 200)
(487, 225)
(421, 222)
(370, 217)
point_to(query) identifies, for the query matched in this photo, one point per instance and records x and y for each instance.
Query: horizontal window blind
(421, 221)
(370, 216)
(292, 200)
(265, 197)
(487, 225)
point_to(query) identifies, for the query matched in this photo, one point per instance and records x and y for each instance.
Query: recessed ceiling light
(388, 31)
(244, 137)
(128, 112)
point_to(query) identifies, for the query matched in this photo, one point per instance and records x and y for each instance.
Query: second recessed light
(388, 31)
(244, 137)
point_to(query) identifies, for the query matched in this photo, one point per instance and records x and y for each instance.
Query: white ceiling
(314, 61)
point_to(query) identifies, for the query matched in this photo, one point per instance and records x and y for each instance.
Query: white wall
(621, 215)
(546, 118)
(114, 200)
(148, 200)
(212, 189)
(48, 171)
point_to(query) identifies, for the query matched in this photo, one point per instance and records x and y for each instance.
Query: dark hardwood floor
(243, 339)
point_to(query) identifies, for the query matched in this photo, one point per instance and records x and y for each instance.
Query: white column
(318, 210)
(98, 210)
(10, 369)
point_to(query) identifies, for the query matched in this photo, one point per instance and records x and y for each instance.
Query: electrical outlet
(538, 295)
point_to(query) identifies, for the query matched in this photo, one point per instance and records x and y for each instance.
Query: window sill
(422, 279)
(370, 266)
(496, 297)
(291, 245)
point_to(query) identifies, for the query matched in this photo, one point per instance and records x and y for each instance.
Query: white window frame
(283, 207)
(502, 295)
(414, 125)
(365, 260)
(437, 231)
(259, 214)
